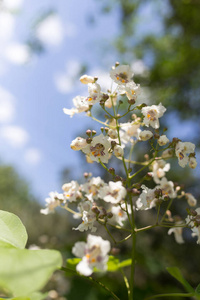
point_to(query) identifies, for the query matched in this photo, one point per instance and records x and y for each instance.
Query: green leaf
(112, 264)
(72, 263)
(34, 296)
(25, 271)
(176, 273)
(12, 231)
(125, 263)
(197, 291)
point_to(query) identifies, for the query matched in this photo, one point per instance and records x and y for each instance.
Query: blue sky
(35, 134)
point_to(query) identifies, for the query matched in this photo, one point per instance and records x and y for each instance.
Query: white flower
(167, 188)
(119, 214)
(167, 153)
(122, 74)
(78, 144)
(98, 149)
(190, 199)
(163, 140)
(112, 134)
(85, 79)
(159, 169)
(80, 104)
(71, 191)
(88, 216)
(178, 232)
(93, 186)
(146, 199)
(145, 135)
(51, 203)
(131, 89)
(181, 150)
(94, 90)
(114, 192)
(192, 162)
(151, 115)
(196, 230)
(118, 151)
(93, 254)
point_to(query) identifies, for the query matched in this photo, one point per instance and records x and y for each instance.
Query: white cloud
(13, 4)
(7, 22)
(17, 53)
(50, 31)
(16, 136)
(33, 156)
(7, 109)
(63, 83)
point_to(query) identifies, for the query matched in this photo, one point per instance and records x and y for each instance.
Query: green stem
(171, 295)
(126, 282)
(110, 234)
(93, 280)
(132, 266)
(136, 173)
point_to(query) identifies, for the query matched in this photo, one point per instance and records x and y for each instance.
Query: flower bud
(192, 162)
(85, 79)
(88, 132)
(95, 210)
(109, 215)
(145, 135)
(163, 140)
(112, 133)
(131, 101)
(111, 171)
(89, 140)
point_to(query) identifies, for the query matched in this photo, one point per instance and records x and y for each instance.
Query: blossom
(159, 168)
(145, 135)
(181, 150)
(194, 227)
(119, 213)
(52, 202)
(192, 162)
(94, 90)
(93, 186)
(190, 199)
(78, 144)
(85, 79)
(167, 188)
(98, 149)
(152, 114)
(71, 191)
(122, 74)
(163, 140)
(178, 232)
(88, 216)
(114, 192)
(118, 151)
(146, 199)
(93, 254)
(80, 104)
(131, 89)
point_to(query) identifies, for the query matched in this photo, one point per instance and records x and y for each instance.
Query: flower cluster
(115, 203)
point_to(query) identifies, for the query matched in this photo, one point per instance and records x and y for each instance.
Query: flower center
(97, 150)
(151, 115)
(181, 155)
(122, 77)
(93, 254)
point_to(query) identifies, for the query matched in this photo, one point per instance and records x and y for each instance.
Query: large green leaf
(23, 272)
(12, 231)
(176, 273)
(34, 296)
